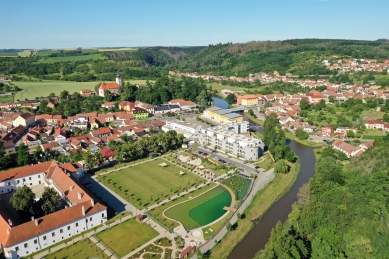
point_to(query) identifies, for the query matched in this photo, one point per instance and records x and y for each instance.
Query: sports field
(39, 89)
(202, 210)
(145, 184)
(127, 236)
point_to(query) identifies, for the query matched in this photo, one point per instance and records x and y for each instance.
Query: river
(257, 238)
(219, 102)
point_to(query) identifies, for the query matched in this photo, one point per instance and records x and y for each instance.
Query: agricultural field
(39, 89)
(73, 58)
(127, 236)
(146, 184)
(25, 53)
(118, 49)
(201, 210)
(239, 185)
(220, 87)
(8, 54)
(157, 212)
(6, 98)
(82, 249)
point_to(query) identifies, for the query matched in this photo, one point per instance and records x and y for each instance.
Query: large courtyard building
(220, 115)
(229, 139)
(80, 213)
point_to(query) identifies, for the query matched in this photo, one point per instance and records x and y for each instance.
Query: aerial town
(146, 130)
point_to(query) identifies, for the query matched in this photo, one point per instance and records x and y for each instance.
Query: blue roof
(223, 112)
(233, 115)
(212, 109)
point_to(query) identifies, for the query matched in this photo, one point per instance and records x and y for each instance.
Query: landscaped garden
(127, 236)
(239, 185)
(149, 183)
(170, 224)
(201, 210)
(82, 249)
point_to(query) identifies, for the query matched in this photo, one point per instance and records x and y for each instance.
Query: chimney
(32, 218)
(92, 201)
(36, 222)
(79, 196)
(10, 222)
(83, 210)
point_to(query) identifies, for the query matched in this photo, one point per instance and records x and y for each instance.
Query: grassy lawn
(258, 206)
(146, 184)
(371, 132)
(201, 210)
(212, 229)
(8, 54)
(73, 58)
(306, 142)
(372, 115)
(127, 236)
(6, 98)
(157, 212)
(81, 249)
(381, 76)
(255, 120)
(267, 163)
(39, 89)
(220, 87)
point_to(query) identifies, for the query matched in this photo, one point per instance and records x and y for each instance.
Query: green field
(73, 58)
(146, 184)
(220, 87)
(8, 54)
(127, 236)
(201, 210)
(44, 53)
(6, 98)
(25, 53)
(81, 249)
(39, 89)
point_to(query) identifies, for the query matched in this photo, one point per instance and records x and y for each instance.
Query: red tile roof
(26, 171)
(106, 86)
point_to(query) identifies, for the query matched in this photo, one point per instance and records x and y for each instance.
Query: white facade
(56, 235)
(13, 184)
(187, 128)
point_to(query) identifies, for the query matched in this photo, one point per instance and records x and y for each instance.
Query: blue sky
(98, 23)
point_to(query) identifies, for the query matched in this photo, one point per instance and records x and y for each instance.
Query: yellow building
(249, 99)
(221, 115)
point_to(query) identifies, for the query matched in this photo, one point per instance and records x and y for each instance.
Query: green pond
(212, 209)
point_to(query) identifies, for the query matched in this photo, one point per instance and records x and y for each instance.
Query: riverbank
(305, 142)
(262, 201)
(255, 120)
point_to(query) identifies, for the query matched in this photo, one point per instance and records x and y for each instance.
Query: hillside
(300, 57)
(342, 213)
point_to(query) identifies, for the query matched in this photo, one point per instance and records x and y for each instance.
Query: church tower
(119, 79)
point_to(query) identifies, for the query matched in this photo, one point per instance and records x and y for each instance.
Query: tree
(304, 105)
(231, 99)
(5, 160)
(23, 155)
(281, 167)
(301, 134)
(386, 117)
(23, 199)
(107, 96)
(350, 134)
(48, 200)
(64, 95)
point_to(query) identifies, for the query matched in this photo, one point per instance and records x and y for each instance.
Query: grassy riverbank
(262, 201)
(255, 120)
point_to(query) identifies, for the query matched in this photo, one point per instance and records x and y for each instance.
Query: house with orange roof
(113, 88)
(20, 239)
(248, 99)
(126, 106)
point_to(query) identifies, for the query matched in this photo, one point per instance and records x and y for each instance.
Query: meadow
(127, 236)
(8, 54)
(39, 89)
(201, 210)
(146, 184)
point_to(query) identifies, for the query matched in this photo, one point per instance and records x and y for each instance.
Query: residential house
(25, 120)
(140, 113)
(126, 106)
(86, 92)
(346, 148)
(163, 109)
(327, 131)
(107, 153)
(247, 100)
(375, 124)
(60, 133)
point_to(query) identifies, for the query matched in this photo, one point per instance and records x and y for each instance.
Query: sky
(40, 24)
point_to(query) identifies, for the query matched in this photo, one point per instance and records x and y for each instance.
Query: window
(17, 181)
(25, 245)
(53, 234)
(102, 215)
(39, 176)
(16, 248)
(90, 218)
(44, 237)
(76, 224)
(9, 183)
(29, 178)
(24, 180)
(68, 227)
(61, 230)
(36, 241)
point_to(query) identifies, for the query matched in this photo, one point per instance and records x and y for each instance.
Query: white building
(228, 139)
(186, 128)
(81, 213)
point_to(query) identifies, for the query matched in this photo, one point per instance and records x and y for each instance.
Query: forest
(301, 57)
(341, 213)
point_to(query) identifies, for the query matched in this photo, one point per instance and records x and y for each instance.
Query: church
(112, 87)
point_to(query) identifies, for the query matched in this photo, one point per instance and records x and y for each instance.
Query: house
(184, 105)
(148, 107)
(60, 133)
(25, 120)
(113, 88)
(375, 124)
(80, 214)
(140, 113)
(163, 109)
(246, 100)
(107, 153)
(94, 123)
(5, 125)
(327, 131)
(86, 92)
(108, 105)
(126, 106)
(51, 104)
(9, 146)
(342, 131)
(347, 149)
